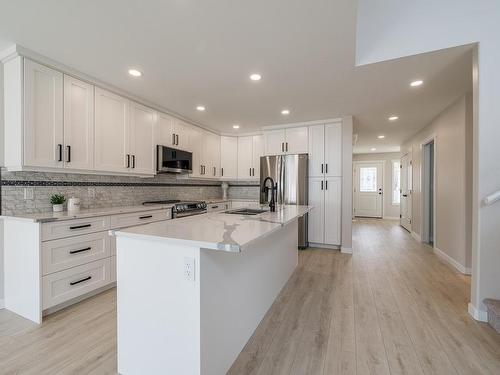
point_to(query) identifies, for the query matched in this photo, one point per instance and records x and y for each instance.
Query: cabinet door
(245, 157)
(181, 132)
(333, 149)
(142, 132)
(316, 150)
(212, 155)
(164, 130)
(333, 199)
(196, 139)
(316, 221)
(229, 157)
(43, 116)
(274, 142)
(111, 132)
(257, 152)
(296, 140)
(78, 124)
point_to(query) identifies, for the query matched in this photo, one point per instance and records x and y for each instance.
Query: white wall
(347, 128)
(390, 210)
(452, 183)
(388, 29)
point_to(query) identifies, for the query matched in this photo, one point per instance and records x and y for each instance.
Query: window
(396, 180)
(368, 179)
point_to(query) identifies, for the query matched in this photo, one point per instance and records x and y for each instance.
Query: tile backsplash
(108, 191)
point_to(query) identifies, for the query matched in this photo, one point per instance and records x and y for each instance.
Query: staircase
(493, 307)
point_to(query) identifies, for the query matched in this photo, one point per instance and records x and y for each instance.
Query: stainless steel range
(183, 209)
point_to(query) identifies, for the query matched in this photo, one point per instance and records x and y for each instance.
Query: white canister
(73, 204)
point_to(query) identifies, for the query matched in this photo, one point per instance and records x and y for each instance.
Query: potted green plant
(57, 201)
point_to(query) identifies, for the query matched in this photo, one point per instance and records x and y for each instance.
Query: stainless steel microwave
(171, 160)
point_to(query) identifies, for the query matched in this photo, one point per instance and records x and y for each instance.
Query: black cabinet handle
(326, 185)
(215, 171)
(59, 150)
(128, 160)
(250, 172)
(79, 251)
(326, 168)
(321, 185)
(177, 139)
(133, 161)
(282, 147)
(146, 217)
(68, 150)
(80, 281)
(173, 139)
(321, 168)
(222, 171)
(287, 146)
(81, 226)
(253, 171)
(214, 207)
(405, 195)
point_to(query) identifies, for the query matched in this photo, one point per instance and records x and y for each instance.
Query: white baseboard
(459, 267)
(346, 250)
(390, 218)
(323, 246)
(477, 314)
(416, 236)
(2, 304)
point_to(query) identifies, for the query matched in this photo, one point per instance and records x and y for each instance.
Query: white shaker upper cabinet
(245, 157)
(43, 116)
(142, 139)
(196, 142)
(211, 155)
(180, 131)
(296, 140)
(257, 152)
(111, 132)
(164, 133)
(316, 150)
(78, 124)
(274, 142)
(333, 149)
(229, 157)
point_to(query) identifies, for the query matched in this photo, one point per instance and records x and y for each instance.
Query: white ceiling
(201, 52)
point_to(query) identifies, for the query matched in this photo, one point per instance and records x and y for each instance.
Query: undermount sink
(246, 211)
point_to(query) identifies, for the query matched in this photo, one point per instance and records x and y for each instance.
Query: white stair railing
(492, 198)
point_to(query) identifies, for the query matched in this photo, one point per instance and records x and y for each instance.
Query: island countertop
(218, 231)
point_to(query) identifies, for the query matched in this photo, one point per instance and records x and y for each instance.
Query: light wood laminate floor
(391, 308)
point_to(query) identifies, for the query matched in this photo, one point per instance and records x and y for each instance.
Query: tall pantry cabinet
(325, 184)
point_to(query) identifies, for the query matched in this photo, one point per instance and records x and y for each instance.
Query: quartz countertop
(85, 213)
(217, 231)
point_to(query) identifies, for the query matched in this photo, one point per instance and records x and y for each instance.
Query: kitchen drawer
(217, 207)
(58, 255)
(67, 228)
(138, 218)
(113, 269)
(62, 286)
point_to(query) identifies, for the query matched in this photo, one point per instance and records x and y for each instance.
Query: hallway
(391, 308)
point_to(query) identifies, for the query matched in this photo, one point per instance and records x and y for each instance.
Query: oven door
(171, 160)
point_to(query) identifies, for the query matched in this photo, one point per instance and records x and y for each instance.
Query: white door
(316, 217)
(111, 132)
(229, 157)
(257, 152)
(78, 124)
(245, 157)
(164, 130)
(43, 116)
(368, 189)
(406, 190)
(333, 149)
(274, 142)
(333, 210)
(142, 137)
(316, 150)
(296, 140)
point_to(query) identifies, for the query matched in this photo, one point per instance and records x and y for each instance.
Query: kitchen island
(191, 291)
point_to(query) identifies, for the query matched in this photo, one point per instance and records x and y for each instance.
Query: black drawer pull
(79, 251)
(80, 281)
(81, 226)
(215, 206)
(146, 217)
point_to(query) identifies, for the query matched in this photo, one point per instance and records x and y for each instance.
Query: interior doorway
(368, 189)
(428, 195)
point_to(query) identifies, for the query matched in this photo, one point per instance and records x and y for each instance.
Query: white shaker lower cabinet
(51, 265)
(325, 218)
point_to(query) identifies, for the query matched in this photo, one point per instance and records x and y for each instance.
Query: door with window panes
(368, 189)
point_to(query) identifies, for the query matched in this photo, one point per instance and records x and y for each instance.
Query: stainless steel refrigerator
(290, 173)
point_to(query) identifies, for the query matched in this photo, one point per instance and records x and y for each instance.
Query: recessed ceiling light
(373, 149)
(255, 77)
(236, 126)
(381, 137)
(285, 112)
(416, 83)
(393, 118)
(135, 72)
(200, 108)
